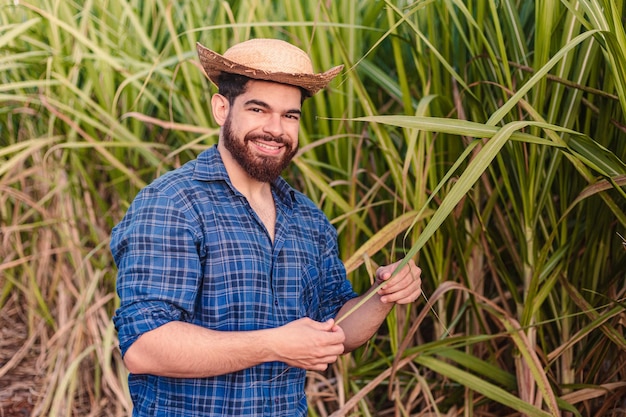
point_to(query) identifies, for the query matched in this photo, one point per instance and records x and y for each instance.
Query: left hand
(405, 286)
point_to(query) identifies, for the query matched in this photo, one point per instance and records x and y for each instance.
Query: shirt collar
(210, 167)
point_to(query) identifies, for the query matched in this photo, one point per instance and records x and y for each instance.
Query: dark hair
(233, 85)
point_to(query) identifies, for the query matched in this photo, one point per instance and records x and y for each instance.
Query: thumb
(383, 273)
(328, 324)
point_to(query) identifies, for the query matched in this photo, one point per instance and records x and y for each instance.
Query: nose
(274, 125)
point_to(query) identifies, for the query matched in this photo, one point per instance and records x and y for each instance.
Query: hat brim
(214, 64)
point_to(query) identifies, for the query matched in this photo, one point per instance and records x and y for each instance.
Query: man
(229, 279)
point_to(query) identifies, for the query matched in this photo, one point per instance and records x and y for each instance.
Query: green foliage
(486, 139)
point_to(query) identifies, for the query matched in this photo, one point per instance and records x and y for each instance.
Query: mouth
(268, 145)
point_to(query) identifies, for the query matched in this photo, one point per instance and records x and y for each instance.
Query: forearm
(184, 350)
(360, 326)
(401, 287)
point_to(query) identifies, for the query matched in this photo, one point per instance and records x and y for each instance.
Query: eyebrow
(268, 107)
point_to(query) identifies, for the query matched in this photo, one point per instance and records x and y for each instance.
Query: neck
(258, 194)
(251, 188)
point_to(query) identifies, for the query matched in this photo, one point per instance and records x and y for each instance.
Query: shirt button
(276, 303)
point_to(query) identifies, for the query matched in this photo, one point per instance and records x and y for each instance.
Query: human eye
(256, 106)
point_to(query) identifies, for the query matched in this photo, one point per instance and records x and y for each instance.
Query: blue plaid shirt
(191, 248)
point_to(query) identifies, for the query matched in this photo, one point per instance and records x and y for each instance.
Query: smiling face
(260, 128)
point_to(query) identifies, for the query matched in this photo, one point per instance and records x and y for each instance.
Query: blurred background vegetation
(484, 138)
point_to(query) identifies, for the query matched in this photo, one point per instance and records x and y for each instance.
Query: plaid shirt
(191, 248)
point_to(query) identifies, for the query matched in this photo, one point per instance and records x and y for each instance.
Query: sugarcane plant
(485, 139)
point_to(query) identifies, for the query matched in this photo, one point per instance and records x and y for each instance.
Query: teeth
(263, 145)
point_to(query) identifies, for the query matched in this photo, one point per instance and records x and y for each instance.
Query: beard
(261, 168)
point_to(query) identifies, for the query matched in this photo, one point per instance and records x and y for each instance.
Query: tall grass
(485, 139)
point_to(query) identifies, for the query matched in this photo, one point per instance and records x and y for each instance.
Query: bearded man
(229, 280)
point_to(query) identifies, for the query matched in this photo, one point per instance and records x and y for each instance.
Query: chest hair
(266, 210)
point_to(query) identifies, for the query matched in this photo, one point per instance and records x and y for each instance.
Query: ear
(220, 107)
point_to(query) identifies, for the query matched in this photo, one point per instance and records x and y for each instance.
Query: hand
(405, 286)
(311, 345)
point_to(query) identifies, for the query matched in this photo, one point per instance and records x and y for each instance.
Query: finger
(400, 282)
(327, 325)
(409, 275)
(317, 367)
(336, 328)
(329, 359)
(321, 366)
(383, 273)
(329, 336)
(405, 291)
(405, 296)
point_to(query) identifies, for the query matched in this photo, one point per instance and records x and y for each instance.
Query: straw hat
(269, 60)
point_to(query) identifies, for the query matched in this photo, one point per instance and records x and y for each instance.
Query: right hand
(309, 344)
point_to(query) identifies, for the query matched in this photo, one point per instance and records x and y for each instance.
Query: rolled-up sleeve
(155, 248)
